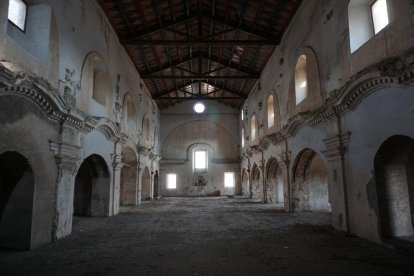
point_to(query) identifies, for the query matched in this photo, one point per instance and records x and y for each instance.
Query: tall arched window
(301, 79)
(270, 112)
(253, 128)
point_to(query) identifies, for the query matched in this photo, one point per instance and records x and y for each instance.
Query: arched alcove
(129, 115)
(305, 92)
(394, 177)
(92, 188)
(96, 89)
(128, 185)
(16, 201)
(257, 187)
(275, 193)
(310, 188)
(146, 184)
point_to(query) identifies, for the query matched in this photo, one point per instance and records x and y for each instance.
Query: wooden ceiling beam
(210, 57)
(198, 77)
(197, 98)
(200, 42)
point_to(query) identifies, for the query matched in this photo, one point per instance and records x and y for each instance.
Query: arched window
(253, 128)
(270, 112)
(366, 18)
(242, 137)
(301, 79)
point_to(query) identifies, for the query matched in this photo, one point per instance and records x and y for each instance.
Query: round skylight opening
(199, 107)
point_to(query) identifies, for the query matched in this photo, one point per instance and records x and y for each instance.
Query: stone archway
(275, 193)
(146, 184)
(394, 177)
(257, 189)
(92, 188)
(128, 185)
(310, 189)
(16, 201)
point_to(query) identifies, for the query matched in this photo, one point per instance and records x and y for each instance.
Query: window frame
(234, 180)
(372, 18)
(199, 170)
(243, 139)
(168, 181)
(255, 128)
(273, 111)
(305, 91)
(25, 17)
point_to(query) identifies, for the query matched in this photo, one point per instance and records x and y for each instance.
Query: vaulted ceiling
(200, 49)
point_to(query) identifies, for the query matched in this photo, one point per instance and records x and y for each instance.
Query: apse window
(199, 107)
(379, 15)
(18, 13)
(229, 179)
(200, 160)
(242, 116)
(171, 181)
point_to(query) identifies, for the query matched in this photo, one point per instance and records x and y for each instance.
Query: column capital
(117, 161)
(284, 159)
(66, 155)
(336, 146)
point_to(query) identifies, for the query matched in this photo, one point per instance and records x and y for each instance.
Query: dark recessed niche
(281, 61)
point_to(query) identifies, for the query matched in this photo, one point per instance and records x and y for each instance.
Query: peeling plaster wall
(377, 75)
(46, 64)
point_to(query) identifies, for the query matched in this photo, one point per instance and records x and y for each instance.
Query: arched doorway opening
(394, 177)
(128, 185)
(310, 189)
(275, 193)
(257, 189)
(146, 185)
(92, 188)
(156, 185)
(16, 201)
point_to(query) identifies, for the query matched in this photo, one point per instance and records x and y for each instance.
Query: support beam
(158, 95)
(166, 26)
(198, 98)
(175, 63)
(199, 42)
(198, 77)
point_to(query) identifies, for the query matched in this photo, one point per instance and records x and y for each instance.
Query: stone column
(66, 157)
(338, 193)
(116, 180)
(138, 184)
(284, 163)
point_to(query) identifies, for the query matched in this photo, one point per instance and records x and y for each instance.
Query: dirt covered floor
(207, 236)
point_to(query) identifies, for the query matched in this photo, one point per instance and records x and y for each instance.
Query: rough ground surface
(207, 236)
